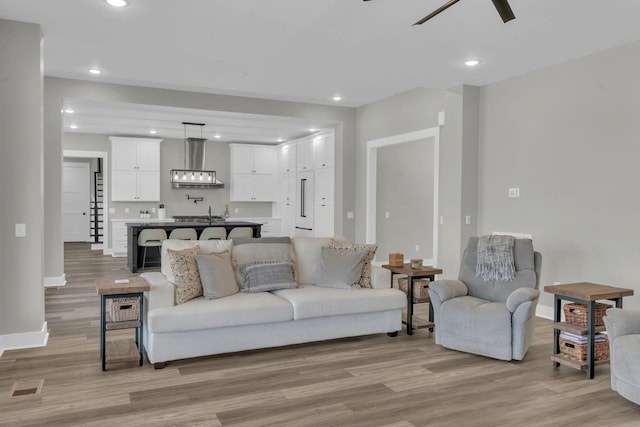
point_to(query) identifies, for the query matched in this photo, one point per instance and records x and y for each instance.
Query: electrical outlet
(514, 193)
(153, 210)
(441, 220)
(236, 210)
(21, 230)
(417, 248)
(350, 215)
(387, 215)
(112, 210)
(126, 210)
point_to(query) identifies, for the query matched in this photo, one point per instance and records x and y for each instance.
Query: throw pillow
(185, 270)
(216, 274)
(249, 251)
(365, 276)
(206, 246)
(341, 268)
(263, 277)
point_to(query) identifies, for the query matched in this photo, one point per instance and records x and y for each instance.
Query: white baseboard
(24, 340)
(97, 246)
(55, 282)
(544, 312)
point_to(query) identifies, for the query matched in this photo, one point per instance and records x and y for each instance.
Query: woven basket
(576, 314)
(420, 287)
(575, 351)
(123, 309)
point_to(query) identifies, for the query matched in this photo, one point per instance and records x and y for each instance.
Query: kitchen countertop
(139, 223)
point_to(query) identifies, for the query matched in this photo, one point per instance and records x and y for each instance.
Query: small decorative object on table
(416, 262)
(396, 259)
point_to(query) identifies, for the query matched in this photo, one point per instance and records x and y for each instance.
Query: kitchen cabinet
(324, 183)
(253, 159)
(135, 169)
(304, 155)
(252, 173)
(323, 150)
(287, 158)
(288, 218)
(287, 187)
(119, 237)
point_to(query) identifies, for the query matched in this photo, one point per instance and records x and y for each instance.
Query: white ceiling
(309, 50)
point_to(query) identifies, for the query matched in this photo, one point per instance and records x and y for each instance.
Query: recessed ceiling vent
(193, 175)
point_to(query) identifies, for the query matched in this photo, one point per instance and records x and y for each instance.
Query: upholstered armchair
(491, 318)
(623, 328)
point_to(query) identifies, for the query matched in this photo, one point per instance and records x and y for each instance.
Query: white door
(75, 202)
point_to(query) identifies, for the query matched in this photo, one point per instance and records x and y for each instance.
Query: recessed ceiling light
(337, 98)
(471, 62)
(73, 126)
(94, 71)
(153, 131)
(117, 3)
(69, 111)
(217, 136)
(280, 140)
(312, 129)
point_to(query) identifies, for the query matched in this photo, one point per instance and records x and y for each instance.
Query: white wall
(569, 137)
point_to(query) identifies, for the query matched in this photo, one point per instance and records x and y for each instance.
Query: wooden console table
(414, 273)
(587, 294)
(123, 350)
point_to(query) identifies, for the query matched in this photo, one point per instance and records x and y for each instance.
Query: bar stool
(150, 238)
(184, 234)
(240, 232)
(213, 233)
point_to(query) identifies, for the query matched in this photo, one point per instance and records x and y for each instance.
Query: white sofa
(246, 321)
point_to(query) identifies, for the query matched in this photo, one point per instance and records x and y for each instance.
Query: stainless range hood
(194, 175)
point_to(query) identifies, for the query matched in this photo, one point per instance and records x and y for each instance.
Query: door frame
(105, 189)
(430, 134)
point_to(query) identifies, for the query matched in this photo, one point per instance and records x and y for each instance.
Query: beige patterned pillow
(365, 275)
(185, 270)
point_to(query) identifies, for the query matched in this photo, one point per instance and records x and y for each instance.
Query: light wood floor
(369, 381)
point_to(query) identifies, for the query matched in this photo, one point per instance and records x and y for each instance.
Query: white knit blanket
(495, 258)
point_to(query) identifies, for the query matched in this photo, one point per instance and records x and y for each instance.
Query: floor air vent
(26, 389)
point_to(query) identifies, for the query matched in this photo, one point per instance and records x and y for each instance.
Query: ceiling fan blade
(437, 11)
(504, 10)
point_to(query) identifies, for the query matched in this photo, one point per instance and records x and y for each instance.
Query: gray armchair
(623, 328)
(489, 318)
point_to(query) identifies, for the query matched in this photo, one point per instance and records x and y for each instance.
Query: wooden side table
(587, 294)
(414, 273)
(123, 350)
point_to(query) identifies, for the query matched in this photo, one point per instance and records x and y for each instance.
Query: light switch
(21, 230)
(112, 210)
(514, 193)
(387, 215)
(441, 220)
(467, 219)
(350, 215)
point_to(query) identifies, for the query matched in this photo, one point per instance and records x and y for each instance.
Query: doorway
(423, 146)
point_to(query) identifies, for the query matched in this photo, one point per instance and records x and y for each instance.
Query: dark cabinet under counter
(134, 253)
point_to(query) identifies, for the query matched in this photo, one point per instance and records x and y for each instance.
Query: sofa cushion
(365, 275)
(625, 357)
(476, 320)
(314, 301)
(185, 271)
(206, 246)
(262, 277)
(250, 250)
(341, 268)
(216, 274)
(235, 310)
(307, 252)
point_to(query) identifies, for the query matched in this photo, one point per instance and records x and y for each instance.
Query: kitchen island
(134, 254)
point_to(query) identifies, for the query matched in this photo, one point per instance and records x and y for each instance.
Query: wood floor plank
(404, 381)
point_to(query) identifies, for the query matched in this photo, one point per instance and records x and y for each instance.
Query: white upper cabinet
(253, 159)
(304, 155)
(323, 150)
(252, 173)
(287, 159)
(135, 169)
(324, 182)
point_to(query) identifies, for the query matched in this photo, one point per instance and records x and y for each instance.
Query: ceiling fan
(502, 6)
